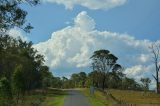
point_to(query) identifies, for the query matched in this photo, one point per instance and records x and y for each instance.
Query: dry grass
(137, 97)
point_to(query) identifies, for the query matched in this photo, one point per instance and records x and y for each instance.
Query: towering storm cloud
(71, 48)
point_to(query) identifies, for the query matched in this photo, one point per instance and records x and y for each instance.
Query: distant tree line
(114, 80)
(105, 74)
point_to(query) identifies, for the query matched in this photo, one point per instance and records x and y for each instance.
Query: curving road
(76, 98)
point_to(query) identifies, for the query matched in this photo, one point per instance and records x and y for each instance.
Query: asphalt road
(76, 98)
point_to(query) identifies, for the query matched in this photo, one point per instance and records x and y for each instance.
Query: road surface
(76, 98)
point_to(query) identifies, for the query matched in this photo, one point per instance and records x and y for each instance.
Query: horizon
(126, 28)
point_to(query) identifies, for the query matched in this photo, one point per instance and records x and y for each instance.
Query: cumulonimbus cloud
(73, 46)
(91, 4)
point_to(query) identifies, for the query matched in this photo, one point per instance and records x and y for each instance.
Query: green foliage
(145, 82)
(54, 97)
(18, 79)
(103, 61)
(83, 77)
(11, 15)
(5, 92)
(98, 99)
(115, 80)
(95, 78)
(78, 79)
(22, 67)
(69, 84)
(56, 82)
(18, 82)
(130, 84)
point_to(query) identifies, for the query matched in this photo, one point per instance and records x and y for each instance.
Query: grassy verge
(51, 97)
(137, 97)
(98, 99)
(55, 98)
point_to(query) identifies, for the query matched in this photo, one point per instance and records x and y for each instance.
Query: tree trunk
(157, 82)
(103, 83)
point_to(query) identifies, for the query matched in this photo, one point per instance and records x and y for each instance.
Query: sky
(67, 32)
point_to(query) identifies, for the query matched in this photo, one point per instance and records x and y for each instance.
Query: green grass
(56, 100)
(137, 97)
(51, 97)
(98, 99)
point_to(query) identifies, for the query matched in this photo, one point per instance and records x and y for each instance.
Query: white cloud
(84, 22)
(91, 4)
(72, 47)
(144, 58)
(15, 33)
(141, 71)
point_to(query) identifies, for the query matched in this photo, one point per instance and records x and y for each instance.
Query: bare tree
(155, 49)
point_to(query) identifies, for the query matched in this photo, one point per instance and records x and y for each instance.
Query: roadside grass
(55, 98)
(139, 98)
(98, 99)
(51, 97)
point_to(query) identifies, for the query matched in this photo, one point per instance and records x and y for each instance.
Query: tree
(22, 67)
(8, 56)
(95, 78)
(57, 82)
(130, 84)
(103, 61)
(75, 78)
(11, 15)
(82, 76)
(146, 82)
(64, 82)
(19, 83)
(5, 92)
(155, 49)
(114, 80)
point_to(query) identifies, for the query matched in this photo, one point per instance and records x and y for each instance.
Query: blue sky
(139, 18)
(67, 32)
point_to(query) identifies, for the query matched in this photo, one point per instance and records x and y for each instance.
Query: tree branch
(158, 68)
(154, 77)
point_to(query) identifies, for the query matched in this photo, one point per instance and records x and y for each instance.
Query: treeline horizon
(114, 81)
(106, 74)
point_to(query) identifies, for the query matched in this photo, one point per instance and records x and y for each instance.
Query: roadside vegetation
(97, 99)
(54, 97)
(24, 78)
(122, 98)
(138, 98)
(51, 97)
